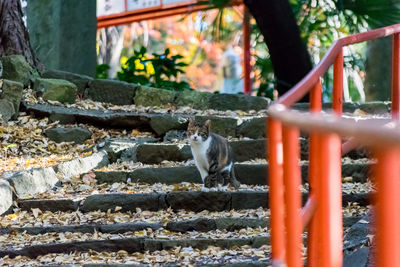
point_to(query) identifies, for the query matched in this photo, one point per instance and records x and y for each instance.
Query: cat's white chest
(199, 151)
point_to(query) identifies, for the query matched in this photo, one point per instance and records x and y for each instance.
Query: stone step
(252, 174)
(225, 262)
(235, 126)
(201, 224)
(131, 245)
(252, 126)
(187, 200)
(244, 150)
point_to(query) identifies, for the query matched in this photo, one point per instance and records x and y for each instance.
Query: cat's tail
(234, 181)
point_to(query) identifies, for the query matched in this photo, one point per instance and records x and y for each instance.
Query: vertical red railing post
(387, 174)
(337, 94)
(292, 181)
(246, 52)
(276, 191)
(314, 166)
(330, 201)
(396, 77)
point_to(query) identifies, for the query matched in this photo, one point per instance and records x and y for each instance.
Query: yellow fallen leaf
(12, 216)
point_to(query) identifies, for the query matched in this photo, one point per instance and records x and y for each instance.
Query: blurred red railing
(322, 213)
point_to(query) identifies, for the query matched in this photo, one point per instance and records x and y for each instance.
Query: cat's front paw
(205, 189)
(222, 188)
(213, 189)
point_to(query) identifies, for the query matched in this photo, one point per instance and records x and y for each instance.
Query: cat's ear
(207, 124)
(191, 121)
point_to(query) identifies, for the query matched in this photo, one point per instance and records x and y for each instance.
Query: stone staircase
(145, 208)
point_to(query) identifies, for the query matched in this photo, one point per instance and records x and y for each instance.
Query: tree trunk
(14, 38)
(289, 56)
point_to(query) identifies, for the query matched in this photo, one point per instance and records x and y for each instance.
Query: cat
(213, 157)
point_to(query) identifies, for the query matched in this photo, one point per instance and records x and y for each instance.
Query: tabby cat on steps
(213, 157)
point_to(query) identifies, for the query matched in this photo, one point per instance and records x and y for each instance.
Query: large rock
(148, 96)
(223, 126)
(56, 90)
(254, 128)
(111, 91)
(82, 165)
(166, 122)
(81, 81)
(16, 68)
(34, 181)
(237, 102)
(5, 196)
(60, 134)
(193, 99)
(12, 91)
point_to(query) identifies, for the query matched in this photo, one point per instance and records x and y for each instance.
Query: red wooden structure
(129, 11)
(322, 213)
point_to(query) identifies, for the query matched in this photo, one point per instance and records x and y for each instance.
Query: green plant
(102, 71)
(157, 70)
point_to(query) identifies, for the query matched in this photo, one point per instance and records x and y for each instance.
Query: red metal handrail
(323, 210)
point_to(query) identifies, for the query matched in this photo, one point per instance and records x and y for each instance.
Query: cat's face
(197, 132)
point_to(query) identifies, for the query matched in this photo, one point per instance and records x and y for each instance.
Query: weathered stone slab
(81, 81)
(82, 165)
(156, 153)
(232, 224)
(61, 134)
(128, 244)
(117, 228)
(53, 205)
(111, 177)
(16, 68)
(224, 126)
(198, 201)
(12, 91)
(34, 181)
(149, 96)
(5, 196)
(375, 107)
(253, 174)
(169, 175)
(7, 109)
(193, 99)
(238, 102)
(56, 90)
(175, 136)
(96, 117)
(244, 150)
(254, 128)
(166, 122)
(131, 245)
(187, 200)
(128, 202)
(123, 149)
(249, 200)
(111, 91)
(199, 225)
(356, 258)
